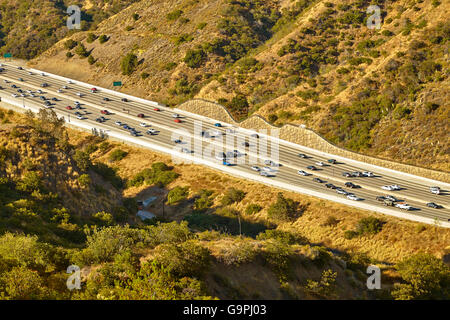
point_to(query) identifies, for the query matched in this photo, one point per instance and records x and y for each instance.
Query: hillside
(218, 237)
(381, 92)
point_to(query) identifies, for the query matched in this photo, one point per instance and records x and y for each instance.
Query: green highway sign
(117, 83)
(7, 55)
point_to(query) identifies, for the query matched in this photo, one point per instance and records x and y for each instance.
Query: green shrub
(103, 38)
(135, 16)
(174, 15)
(117, 155)
(70, 44)
(350, 234)
(185, 37)
(84, 180)
(283, 209)
(177, 194)
(81, 51)
(282, 236)
(195, 58)
(91, 38)
(144, 75)
(237, 253)
(201, 25)
(170, 65)
(31, 181)
(232, 195)
(91, 60)
(129, 64)
(369, 225)
(203, 200)
(252, 209)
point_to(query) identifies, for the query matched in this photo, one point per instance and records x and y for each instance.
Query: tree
(83, 160)
(177, 194)
(232, 195)
(424, 277)
(195, 58)
(129, 64)
(31, 181)
(22, 283)
(81, 51)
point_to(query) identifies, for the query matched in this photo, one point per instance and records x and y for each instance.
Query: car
(126, 127)
(346, 174)
(351, 185)
(14, 95)
(216, 133)
(177, 141)
(14, 86)
(19, 90)
(264, 174)
(141, 115)
(79, 94)
(118, 123)
(104, 112)
(357, 174)
(393, 187)
(124, 100)
(332, 161)
(392, 198)
(20, 68)
(47, 103)
(330, 186)
(142, 124)
(156, 109)
(93, 90)
(69, 81)
(44, 85)
(42, 74)
(177, 120)
(185, 150)
(246, 144)
(80, 117)
(20, 79)
(368, 174)
(2, 69)
(217, 125)
(99, 120)
(6, 81)
(353, 197)
(256, 168)
(435, 190)
(303, 173)
(341, 191)
(151, 131)
(106, 99)
(54, 99)
(69, 108)
(433, 205)
(175, 115)
(77, 113)
(403, 206)
(311, 168)
(320, 163)
(302, 155)
(39, 91)
(29, 91)
(271, 163)
(30, 73)
(318, 180)
(254, 135)
(380, 198)
(59, 91)
(134, 134)
(64, 87)
(77, 103)
(226, 163)
(42, 98)
(269, 169)
(32, 95)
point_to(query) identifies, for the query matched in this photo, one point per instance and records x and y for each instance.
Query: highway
(415, 191)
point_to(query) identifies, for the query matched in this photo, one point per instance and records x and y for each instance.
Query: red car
(94, 90)
(104, 112)
(69, 108)
(156, 109)
(141, 115)
(177, 120)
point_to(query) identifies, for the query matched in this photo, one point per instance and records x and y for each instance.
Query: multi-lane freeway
(62, 93)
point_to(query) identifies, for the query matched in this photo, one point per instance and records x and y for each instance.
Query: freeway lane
(288, 155)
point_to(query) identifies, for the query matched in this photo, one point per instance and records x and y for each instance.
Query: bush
(369, 225)
(81, 51)
(91, 38)
(109, 174)
(170, 65)
(91, 60)
(282, 236)
(331, 221)
(201, 25)
(144, 75)
(188, 259)
(173, 15)
(237, 253)
(103, 38)
(84, 180)
(135, 16)
(129, 64)
(70, 44)
(283, 209)
(350, 234)
(31, 181)
(69, 54)
(82, 160)
(117, 155)
(203, 200)
(232, 195)
(177, 194)
(252, 209)
(194, 58)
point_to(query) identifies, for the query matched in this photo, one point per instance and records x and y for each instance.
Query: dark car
(141, 115)
(124, 99)
(311, 168)
(302, 155)
(105, 99)
(246, 144)
(318, 180)
(333, 161)
(351, 185)
(330, 185)
(433, 205)
(346, 174)
(380, 198)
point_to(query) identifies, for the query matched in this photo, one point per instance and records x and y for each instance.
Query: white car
(43, 74)
(435, 190)
(30, 73)
(14, 95)
(64, 87)
(151, 131)
(80, 117)
(32, 95)
(302, 173)
(142, 124)
(256, 168)
(29, 91)
(351, 196)
(175, 115)
(403, 206)
(59, 90)
(79, 94)
(393, 187)
(68, 81)
(264, 173)
(368, 174)
(39, 91)
(118, 123)
(269, 169)
(320, 163)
